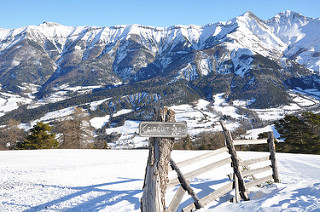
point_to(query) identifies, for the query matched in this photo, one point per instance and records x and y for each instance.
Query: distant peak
(250, 15)
(289, 14)
(49, 24)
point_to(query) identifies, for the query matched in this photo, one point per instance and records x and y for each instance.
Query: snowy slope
(301, 34)
(110, 180)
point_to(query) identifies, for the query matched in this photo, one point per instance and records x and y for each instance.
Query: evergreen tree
(300, 134)
(40, 137)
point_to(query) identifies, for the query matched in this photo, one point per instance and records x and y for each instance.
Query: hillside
(109, 180)
(260, 69)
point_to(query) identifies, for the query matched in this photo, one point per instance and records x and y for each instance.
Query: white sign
(163, 129)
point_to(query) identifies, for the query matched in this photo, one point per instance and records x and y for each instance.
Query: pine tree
(300, 134)
(40, 137)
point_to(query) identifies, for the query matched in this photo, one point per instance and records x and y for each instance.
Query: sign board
(163, 129)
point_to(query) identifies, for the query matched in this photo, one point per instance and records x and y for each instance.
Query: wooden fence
(241, 169)
(156, 175)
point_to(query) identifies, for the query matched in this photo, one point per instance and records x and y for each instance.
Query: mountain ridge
(246, 55)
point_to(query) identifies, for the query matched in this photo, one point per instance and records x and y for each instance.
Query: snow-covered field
(111, 180)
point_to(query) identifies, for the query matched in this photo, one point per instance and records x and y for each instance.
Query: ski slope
(111, 180)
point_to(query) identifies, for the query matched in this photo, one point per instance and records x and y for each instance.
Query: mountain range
(246, 58)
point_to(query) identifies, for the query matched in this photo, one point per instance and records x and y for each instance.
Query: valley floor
(111, 180)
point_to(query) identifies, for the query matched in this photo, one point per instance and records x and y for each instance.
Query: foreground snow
(111, 180)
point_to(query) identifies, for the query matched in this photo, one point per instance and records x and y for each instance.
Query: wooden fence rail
(200, 171)
(254, 160)
(247, 142)
(183, 179)
(211, 197)
(256, 171)
(201, 157)
(234, 184)
(241, 168)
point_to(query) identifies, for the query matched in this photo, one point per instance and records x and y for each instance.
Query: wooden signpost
(162, 134)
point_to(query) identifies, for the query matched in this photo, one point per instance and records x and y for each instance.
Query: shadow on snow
(99, 202)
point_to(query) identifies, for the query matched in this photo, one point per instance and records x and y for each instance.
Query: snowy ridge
(301, 34)
(117, 54)
(247, 30)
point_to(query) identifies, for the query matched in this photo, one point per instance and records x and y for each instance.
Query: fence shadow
(108, 197)
(205, 190)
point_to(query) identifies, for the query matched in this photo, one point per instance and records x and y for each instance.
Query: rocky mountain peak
(49, 24)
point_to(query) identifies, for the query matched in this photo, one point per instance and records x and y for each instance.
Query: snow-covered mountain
(51, 54)
(301, 35)
(137, 68)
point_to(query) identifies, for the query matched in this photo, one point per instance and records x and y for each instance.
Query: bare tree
(11, 135)
(76, 130)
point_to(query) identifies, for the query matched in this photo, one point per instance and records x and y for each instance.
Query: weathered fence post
(272, 150)
(156, 176)
(186, 185)
(236, 188)
(235, 162)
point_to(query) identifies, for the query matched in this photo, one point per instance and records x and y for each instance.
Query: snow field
(98, 122)
(9, 102)
(111, 180)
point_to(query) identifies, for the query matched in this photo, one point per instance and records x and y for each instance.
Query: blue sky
(164, 13)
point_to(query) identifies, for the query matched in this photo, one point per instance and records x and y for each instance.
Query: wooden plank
(237, 197)
(211, 197)
(256, 171)
(186, 185)
(247, 142)
(235, 162)
(273, 157)
(201, 157)
(200, 171)
(254, 160)
(175, 202)
(259, 181)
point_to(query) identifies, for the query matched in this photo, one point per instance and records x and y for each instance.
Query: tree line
(300, 133)
(70, 132)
